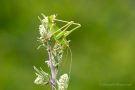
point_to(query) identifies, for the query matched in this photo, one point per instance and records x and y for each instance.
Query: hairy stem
(52, 68)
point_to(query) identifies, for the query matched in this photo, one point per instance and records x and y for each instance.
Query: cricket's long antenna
(70, 66)
(66, 57)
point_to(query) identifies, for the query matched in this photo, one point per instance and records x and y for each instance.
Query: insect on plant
(54, 40)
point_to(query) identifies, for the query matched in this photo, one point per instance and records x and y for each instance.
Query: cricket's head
(51, 18)
(48, 21)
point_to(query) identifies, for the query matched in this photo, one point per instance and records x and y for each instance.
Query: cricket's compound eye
(52, 18)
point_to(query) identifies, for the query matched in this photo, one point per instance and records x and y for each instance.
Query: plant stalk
(52, 68)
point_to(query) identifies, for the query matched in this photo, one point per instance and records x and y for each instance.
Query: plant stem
(52, 68)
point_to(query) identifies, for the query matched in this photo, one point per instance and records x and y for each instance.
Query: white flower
(63, 82)
(42, 30)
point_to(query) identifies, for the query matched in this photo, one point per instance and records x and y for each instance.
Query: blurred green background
(103, 48)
